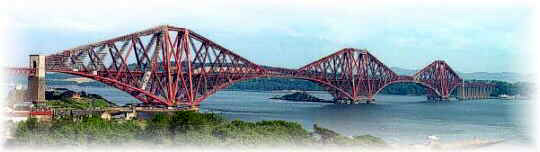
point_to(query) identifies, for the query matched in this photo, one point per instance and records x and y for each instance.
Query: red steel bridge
(170, 66)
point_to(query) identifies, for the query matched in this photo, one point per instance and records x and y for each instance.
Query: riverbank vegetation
(180, 128)
(506, 88)
(62, 98)
(81, 103)
(67, 99)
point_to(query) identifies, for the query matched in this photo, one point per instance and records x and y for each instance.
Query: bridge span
(169, 65)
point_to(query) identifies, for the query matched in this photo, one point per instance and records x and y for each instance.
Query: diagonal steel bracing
(163, 65)
(175, 66)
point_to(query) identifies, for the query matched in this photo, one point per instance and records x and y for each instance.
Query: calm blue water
(397, 119)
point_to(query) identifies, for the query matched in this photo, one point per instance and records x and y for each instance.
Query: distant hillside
(499, 76)
(268, 84)
(402, 71)
(502, 76)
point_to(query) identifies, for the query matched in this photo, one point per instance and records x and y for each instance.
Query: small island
(300, 97)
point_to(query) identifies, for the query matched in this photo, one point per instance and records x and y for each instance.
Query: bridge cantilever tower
(352, 74)
(163, 65)
(440, 77)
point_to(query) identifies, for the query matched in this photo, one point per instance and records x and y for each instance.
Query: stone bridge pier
(36, 81)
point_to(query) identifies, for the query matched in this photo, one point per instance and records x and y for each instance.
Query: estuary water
(396, 119)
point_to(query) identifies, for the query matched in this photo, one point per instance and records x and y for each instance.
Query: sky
(484, 36)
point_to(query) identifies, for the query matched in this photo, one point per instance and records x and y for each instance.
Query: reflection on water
(397, 119)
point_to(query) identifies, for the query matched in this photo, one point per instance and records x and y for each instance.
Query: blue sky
(472, 37)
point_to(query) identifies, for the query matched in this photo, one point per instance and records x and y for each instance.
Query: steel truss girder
(174, 66)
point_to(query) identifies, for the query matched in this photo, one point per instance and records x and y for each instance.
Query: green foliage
(328, 136)
(67, 131)
(511, 88)
(179, 128)
(83, 103)
(183, 122)
(502, 87)
(158, 128)
(77, 104)
(275, 132)
(31, 131)
(268, 84)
